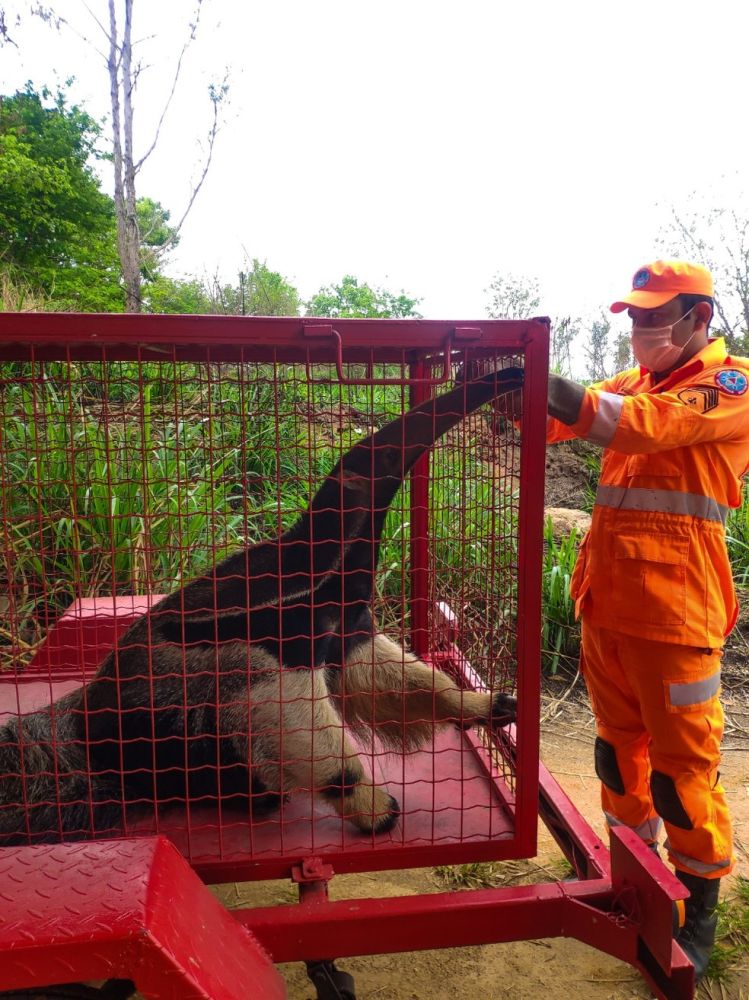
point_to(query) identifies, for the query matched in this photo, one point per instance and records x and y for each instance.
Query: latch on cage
(463, 334)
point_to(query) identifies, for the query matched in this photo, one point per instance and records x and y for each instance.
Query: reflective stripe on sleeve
(648, 830)
(663, 501)
(698, 867)
(694, 692)
(606, 419)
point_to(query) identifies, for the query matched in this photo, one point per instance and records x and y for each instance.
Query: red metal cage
(136, 453)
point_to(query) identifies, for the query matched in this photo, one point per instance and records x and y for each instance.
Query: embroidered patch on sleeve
(734, 382)
(701, 398)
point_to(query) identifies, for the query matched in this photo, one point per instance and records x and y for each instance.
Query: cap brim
(643, 300)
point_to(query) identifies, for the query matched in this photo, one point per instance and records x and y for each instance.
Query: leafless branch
(145, 38)
(699, 247)
(217, 93)
(5, 38)
(190, 39)
(96, 20)
(47, 15)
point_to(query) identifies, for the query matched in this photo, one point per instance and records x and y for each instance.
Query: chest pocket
(650, 578)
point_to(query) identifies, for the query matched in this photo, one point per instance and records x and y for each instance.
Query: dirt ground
(549, 969)
(568, 477)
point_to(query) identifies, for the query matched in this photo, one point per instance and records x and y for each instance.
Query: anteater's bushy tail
(46, 791)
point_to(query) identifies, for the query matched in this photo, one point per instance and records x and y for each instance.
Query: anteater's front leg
(391, 691)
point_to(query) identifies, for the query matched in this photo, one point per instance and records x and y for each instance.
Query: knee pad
(607, 767)
(667, 803)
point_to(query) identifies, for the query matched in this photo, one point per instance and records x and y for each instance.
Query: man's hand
(565, 399)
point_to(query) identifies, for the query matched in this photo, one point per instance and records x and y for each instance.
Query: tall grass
(17, 296)
(135, 488)
(114, 507)
(560, 634)
(737, 539)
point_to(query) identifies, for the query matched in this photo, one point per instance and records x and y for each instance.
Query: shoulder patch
(732, 381)
(702, 398)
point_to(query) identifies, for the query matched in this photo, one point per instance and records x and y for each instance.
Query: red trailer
(135, 452)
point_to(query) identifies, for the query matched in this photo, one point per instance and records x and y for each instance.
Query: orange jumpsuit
(654, 587)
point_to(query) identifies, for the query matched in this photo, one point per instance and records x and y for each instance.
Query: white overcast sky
(426, 146)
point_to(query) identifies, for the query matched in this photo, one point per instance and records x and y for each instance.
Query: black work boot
(697, 936)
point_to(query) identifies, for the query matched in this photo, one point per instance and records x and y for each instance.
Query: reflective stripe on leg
(647, 831)
(696, 867)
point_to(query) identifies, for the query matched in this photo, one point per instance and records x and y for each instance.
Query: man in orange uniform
(653, 582)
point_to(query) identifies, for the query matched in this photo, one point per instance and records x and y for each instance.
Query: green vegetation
(560, 635)
(353, 299)
(737, 536)
(732, 940)
(58, 233)
(57, 228)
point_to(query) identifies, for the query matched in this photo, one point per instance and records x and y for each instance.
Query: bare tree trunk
(128, 237)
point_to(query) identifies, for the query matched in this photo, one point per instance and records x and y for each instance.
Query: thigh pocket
(650, 578)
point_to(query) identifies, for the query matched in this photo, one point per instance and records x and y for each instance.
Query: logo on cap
(733, 382)
(641, 278)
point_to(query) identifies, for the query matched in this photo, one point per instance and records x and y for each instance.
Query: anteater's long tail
(46, 792)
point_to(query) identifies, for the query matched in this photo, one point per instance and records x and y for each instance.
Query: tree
(597, 349)
(622, 351)
(171, 295)
(123, 80)
(513, 297)
(564, 331)
(124, 73)
(518, 297)
(156, 236)
(57, 228)
(717, 237)
(263, 292)
(259, 292)
(350, 299)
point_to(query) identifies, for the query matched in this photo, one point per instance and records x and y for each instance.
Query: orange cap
(659, 282)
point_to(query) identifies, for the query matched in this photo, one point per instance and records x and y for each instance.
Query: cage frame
(608, 906)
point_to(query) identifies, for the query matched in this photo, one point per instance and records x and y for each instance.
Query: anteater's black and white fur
(237, 684)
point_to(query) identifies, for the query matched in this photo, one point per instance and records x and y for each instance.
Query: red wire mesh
(123, 480)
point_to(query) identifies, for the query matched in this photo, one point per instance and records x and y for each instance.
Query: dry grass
(17, 296)
(491, 874)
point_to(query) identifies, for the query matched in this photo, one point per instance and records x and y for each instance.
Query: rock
(563, 520)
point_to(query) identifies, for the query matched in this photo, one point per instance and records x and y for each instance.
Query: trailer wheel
(113, 989)
(331, 983)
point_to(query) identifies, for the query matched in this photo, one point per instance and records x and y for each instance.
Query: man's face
(670, 314)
